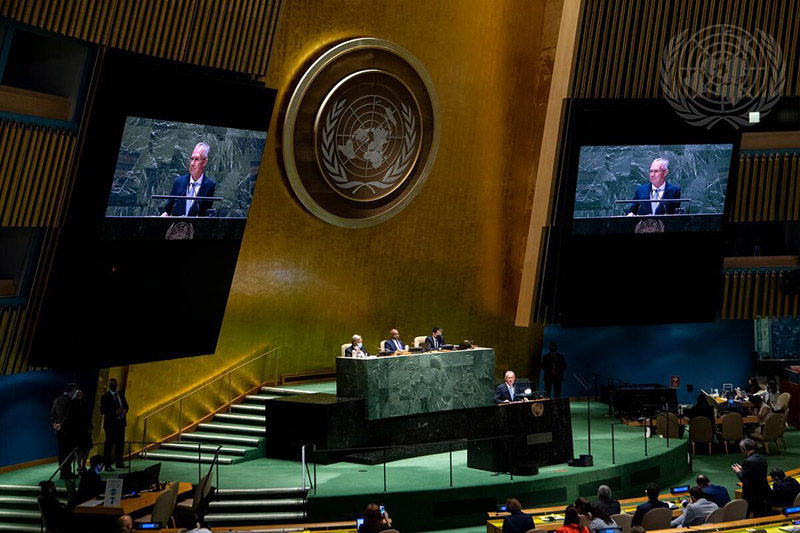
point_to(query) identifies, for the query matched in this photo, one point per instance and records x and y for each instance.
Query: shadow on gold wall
(452, 258)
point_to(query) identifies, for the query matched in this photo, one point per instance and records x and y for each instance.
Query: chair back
(585, 521)
(657, 519)
(772, 428)
(783, 400)
(716, 516)
(667, 425)
(346, 346)
(201, 491)
(701, 429)
(785, 416)
(732, 427)
(735, 510)
(383, 346)
(797, 500)
(624, 521)
(419, 340)
(165, 505)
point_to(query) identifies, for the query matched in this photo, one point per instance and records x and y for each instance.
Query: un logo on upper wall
(361, 133)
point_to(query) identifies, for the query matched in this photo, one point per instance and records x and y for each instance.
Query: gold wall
(452, 258)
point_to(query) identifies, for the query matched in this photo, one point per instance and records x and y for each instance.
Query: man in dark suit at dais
(195, 183)
(652, 193)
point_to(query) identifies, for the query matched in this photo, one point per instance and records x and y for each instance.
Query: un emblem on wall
(361, 133)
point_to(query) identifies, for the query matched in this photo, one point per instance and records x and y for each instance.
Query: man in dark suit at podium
(435, 340)
(509, 391)
(394, 344)
(195, 183)
(658, 189)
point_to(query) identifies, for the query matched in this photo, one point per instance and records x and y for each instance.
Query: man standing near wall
(114, 408)
(553, 367)
(58, 415)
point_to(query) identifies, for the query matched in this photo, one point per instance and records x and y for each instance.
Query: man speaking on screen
(658, 189)
(193, 184)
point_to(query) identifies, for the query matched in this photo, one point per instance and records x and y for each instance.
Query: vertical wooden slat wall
(768, 188)
(750, 294)
(231, 35)
(622, 43)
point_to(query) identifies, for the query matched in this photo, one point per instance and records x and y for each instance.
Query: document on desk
(91, 503)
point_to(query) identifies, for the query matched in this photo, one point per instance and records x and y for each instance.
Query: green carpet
(344, 489)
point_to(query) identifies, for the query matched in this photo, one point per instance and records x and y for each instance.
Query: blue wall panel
(705, 355)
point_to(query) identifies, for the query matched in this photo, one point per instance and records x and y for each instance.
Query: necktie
(397, 343)
(192, 193)
(511, 392)
(654, 196)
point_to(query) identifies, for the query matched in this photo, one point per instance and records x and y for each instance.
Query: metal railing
(228, 374)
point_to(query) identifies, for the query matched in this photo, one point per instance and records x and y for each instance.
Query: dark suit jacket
(59, 410)
(644, 208)
(348, 352)
(717, 494)
(755, 487)
(390, 346)
(553, 366)
(609, 505)
(177, 208)
(108, 408)
(517, 522)
(429, 341)
(501, 393)
(643, 508)
(784, 492)
(91, 486)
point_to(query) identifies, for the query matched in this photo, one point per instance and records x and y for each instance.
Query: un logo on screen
(367, 135)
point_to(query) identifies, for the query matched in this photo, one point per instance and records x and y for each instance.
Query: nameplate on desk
(113, 496)
(540, 438)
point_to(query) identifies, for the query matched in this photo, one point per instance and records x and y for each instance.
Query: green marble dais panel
(415, 384)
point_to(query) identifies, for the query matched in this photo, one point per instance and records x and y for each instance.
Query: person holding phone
(753, 475)
(376, 519)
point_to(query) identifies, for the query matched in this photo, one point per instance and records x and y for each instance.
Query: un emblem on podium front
(361, 133)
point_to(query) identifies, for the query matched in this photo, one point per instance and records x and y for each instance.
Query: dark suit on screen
(177, 208)
(392, 346)
(114, 425)
(755, 487)
(671, 192)
(501, 393)
(434, 343)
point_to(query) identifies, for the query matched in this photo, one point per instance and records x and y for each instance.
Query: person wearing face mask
(91, 485)
(114, 407)
(357, 348)
(58, 417)
(435, 340)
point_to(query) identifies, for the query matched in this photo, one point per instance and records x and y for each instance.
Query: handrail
(61, 465)
(227, 374)
(173, 402)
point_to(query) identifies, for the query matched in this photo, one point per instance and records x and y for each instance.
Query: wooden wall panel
(748, 294)
(768, 188)
(226, 34)
(622, 42)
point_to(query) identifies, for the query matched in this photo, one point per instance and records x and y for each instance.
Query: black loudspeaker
(582, 460)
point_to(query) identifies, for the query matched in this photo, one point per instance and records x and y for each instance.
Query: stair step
(186, 457)
(293, 502)
(232, 428)
(29, 501)
(28, 488)
(21, 528)
(274, 491)
(222, 438)
(261, 398)
(285, 392)
(20, 515)
(192, 447)
(236, 418)
(225, 518)
(247, 408)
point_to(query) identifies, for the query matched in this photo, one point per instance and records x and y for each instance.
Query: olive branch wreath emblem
(695, 112)
(336, 170)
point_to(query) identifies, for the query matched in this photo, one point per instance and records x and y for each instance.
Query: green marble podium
(403, 385)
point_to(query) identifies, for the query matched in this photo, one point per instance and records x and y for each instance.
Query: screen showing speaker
(682, 187)
(179, 169)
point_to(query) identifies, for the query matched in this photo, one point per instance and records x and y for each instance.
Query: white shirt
(190, 192)
(657, 192)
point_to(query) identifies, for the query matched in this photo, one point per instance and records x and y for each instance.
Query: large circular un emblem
(361, 133)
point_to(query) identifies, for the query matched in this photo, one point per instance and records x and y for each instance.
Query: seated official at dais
(435, 340)
(357, 348)
(393, 343)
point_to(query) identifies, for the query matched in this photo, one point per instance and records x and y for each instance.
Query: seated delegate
(393, 343)
(357, 348)
(435, 340)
